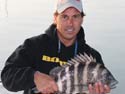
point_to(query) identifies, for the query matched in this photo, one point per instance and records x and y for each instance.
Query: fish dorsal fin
(70, 62)
(80, 58)
(88, 59)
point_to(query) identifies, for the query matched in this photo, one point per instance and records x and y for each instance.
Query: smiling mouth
(70, 30)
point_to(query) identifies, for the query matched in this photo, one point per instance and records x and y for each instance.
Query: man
(30, 63)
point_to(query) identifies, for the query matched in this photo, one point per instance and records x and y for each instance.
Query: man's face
(68, 23)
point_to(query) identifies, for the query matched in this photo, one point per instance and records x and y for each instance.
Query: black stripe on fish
(91, 68)
(80, 76)
(71, 69)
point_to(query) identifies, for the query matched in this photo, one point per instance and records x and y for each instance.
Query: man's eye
(76, 16)
(64, 16)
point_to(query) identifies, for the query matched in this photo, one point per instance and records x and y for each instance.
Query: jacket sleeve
(18, 73)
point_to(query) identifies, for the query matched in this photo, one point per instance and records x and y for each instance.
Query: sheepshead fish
(79, 72)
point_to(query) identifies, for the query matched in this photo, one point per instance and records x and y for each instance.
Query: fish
(82, 70)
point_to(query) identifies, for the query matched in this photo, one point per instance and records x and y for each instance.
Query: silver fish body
(79, 72)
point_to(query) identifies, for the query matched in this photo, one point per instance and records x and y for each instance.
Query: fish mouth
(112, 85)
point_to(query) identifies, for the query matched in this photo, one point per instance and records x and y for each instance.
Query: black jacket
(40, 53)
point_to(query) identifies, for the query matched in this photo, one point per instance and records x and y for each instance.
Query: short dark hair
(56, 14)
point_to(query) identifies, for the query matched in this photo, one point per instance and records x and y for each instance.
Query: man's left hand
(99, 88)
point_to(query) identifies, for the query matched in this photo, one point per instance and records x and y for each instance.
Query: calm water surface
(103, 24)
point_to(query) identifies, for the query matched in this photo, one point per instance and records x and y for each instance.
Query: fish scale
(82, 70)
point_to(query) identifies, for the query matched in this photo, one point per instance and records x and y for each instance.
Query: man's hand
(44, 83)
(99, 88)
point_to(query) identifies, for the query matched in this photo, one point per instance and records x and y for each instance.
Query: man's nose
(70, 21)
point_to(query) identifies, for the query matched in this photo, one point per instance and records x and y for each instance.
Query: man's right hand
(44, 83)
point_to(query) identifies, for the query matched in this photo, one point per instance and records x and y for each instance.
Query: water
(103, 24)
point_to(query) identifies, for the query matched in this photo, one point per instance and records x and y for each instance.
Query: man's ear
(54, 19)
(82, 20)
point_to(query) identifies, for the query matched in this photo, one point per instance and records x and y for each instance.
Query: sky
(29, 8)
